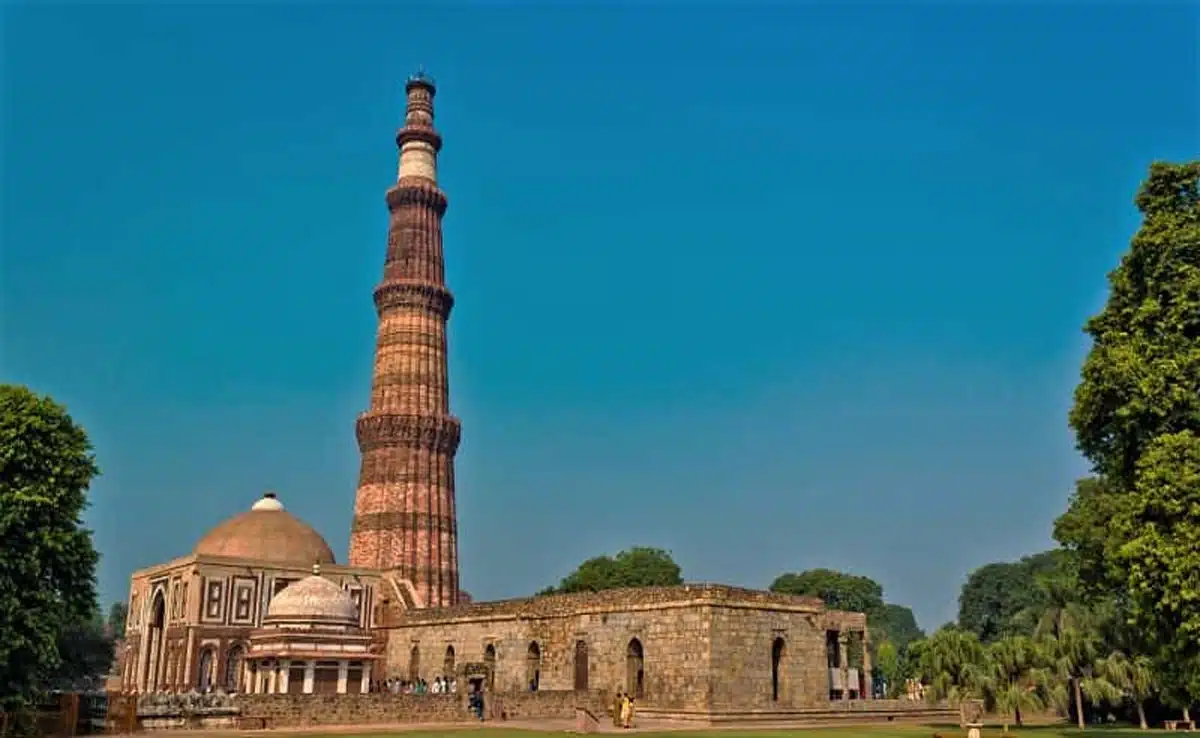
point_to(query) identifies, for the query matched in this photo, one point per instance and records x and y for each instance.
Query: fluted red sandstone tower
(404, 516)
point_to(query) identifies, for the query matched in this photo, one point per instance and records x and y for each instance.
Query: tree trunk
(1187, 715)
(1017, 716)
(1078, 702)
(1141, 714)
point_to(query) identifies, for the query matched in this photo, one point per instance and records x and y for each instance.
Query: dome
(313, 598)
(266, 532)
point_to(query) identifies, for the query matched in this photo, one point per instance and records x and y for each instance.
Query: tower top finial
(316, 568)
(420, 78)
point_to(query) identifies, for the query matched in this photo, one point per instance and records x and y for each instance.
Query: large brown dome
(267, 532)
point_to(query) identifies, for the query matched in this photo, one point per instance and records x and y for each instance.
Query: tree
(1135, 677)
(47, 561)
(1019, 679)
(838, 590)
(85, 656)
(1136, 418)
(995, 596)
(117, 615)
(895, 624)
(953, 664)
(640, 566)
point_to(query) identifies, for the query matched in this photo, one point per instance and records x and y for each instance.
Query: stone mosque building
(261, 605)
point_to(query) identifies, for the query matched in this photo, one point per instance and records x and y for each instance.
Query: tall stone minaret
(404, 514)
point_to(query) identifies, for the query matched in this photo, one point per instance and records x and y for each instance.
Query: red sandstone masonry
(405, 518)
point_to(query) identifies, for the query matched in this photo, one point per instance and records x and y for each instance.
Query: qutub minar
(260, 605)
(404, 514)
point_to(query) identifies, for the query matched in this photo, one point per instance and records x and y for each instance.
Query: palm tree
(1020, 679)
(1134, 676)
(1070, 636)
(954, 665)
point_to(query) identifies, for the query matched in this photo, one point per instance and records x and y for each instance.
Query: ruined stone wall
(298, 710)
(743, 657)
(703, 647)
(674, 645)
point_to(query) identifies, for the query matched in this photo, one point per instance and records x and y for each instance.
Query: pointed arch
(635, 669)
(533, 666)
(778, 651)
(448, 662)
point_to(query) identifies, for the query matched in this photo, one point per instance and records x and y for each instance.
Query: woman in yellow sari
(626, 711)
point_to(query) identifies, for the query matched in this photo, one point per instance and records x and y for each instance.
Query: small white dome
(268, 502)
(313, 599)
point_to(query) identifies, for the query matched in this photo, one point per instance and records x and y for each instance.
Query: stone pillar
(187, 657)
(343, 669)
(310, 676)
(844, 663)
(285, 673)
(404, 509)
(866, 667)
(366, 679)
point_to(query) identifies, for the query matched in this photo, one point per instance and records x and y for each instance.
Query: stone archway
(489, 659)
(448, 663)
(234, 661)
(204, 673)
(533, 666)
(155, 643)
(635, 670)
(581, 666)
(778, 651)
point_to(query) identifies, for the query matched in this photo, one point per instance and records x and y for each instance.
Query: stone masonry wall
(743, 641)
(675, 649)
(298, 710)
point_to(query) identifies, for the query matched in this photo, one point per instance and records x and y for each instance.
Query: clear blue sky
(770, 288)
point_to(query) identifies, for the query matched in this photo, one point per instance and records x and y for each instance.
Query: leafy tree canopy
(996, 598)
(1136, 418)
(47, 561)
(117, 615)
(842, 591)
(839, 590)
(640, 566)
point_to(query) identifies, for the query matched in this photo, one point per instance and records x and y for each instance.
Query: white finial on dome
(316, 568)
(268, 502)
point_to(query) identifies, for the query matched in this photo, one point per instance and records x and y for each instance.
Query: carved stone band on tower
(404, 511)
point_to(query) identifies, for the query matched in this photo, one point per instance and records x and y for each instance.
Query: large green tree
(839, 590)
(640, 566)
(1136, 418)
(855, 593)
(997, 599)
(47, 561)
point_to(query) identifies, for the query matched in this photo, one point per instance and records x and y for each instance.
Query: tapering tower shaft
(404, 510)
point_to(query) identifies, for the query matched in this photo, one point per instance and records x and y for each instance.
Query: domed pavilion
(192, 620)
(310, 642)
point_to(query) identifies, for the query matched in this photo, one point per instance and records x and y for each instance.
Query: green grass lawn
(882, 731)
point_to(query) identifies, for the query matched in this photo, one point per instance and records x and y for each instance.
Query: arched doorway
(155, 642)
(778, 649)
(448, 662)
(635, 674)
(489, 659)
(233, 668)
(533, 666)
(581, 666)
(414, 664)
(204, 675)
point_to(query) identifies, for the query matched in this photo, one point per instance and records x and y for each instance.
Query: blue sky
(773, 288)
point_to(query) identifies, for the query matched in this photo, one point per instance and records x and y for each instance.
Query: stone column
(844, 663)
(866, 667)
(366, 678)
(310, 676)
(343, 669)
(285, 673)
